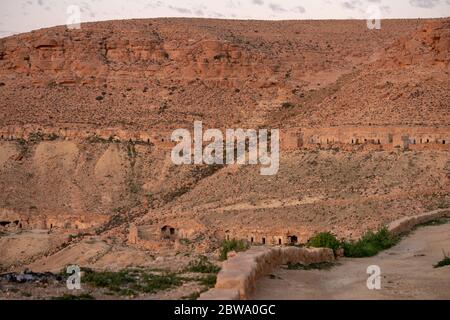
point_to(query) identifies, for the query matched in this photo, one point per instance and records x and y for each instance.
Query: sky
(18, 16)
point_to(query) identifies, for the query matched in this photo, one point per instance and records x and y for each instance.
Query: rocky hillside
(103, 198)
(164, 73)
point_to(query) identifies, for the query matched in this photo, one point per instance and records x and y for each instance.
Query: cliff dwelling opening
(263, 240)
(279, 241)
(251, 239)
(148, 141)
(292, 239)
(379, 142)
(428, 140)
(443, 141)
(167, 232)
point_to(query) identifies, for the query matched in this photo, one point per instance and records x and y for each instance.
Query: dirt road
(406, 273)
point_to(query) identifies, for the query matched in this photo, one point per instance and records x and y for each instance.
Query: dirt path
(406, 273)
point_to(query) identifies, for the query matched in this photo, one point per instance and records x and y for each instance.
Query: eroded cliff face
(427, 46)
(164, 73)
(83, 184)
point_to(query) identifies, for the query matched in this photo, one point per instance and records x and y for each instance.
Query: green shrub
(444, 262)
(209, 280)
(129, 282)
(232, 245)
(287, 105)
(108, 279)
(324, 240)
(370, 244)
(202, 265)
(153, 283)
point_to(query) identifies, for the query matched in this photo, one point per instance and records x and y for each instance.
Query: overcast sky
(25, 15)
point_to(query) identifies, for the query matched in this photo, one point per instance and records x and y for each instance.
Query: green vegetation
(444, 262)
(96, 139)
(131, 150)
(370, 244)
(208, 281)
(287, 105)
(202, 265)
(36, 137)
(312, 266)
(53, 137)
(131, 281)
(232, 245)
(77, 236)
(65, 296)
(134, 188)
(324, 240)
(367, 246)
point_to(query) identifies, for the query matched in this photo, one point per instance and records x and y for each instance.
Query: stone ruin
(13, 221)
(385, 138)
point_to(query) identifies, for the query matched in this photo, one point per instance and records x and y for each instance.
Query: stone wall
(238, 276)
(72, 132)
(405, 224)
(384, 137)
(269, 236)
(34, 220)
(164, 235)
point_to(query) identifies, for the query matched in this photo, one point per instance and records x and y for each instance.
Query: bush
(108, 279)
(287, 105)
(324, 240)
(370, 244)
(232, 245)
(209, 281)
(444, 262)
(202, 265)
(130, 282)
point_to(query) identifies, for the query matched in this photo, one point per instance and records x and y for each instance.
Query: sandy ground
(407, 273)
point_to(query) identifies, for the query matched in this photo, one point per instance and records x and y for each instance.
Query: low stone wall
(405, 224)
(239, 274)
